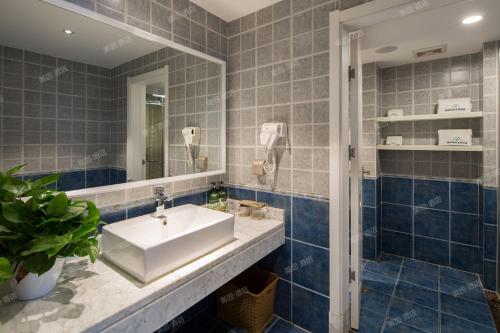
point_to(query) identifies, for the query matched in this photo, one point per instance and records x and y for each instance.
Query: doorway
(401, 57)
(147, 122)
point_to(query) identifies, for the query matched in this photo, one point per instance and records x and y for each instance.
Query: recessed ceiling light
(68, 31)
(472, 19)
(386, 49)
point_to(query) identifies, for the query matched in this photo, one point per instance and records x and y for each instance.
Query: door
(356, 175)
(147, 126)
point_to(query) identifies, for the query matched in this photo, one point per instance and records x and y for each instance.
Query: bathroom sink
(147, 248)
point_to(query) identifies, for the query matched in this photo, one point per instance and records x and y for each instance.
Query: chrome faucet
(160, 199)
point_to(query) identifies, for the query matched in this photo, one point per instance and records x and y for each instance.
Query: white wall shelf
(431, 148)
(451, 115)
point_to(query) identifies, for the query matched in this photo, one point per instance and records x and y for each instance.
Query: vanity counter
(100, 297)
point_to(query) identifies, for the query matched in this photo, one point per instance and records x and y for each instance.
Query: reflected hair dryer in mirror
(192, 137)
(270, 134)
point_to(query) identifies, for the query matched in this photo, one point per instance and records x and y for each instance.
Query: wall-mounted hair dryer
(192, 137)
(270, 134)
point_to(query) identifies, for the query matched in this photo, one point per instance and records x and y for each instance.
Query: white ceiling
(38, 27)
(230, 10)
(432, 27)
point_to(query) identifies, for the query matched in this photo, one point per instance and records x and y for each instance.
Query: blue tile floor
(401, 295)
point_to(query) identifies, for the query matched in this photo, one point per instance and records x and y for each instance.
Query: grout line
(392, 297)
(439, 298)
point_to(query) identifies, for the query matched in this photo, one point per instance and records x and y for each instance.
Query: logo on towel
(457, 141)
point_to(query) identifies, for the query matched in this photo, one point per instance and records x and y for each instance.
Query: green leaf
(14, 170)
(16, 187)
(5, 269)
(16, 212)
(88, 247)
(5, 229)
(57, 205)
(39, 263)
(10, 237)
(50, 244)
(47, 180)
(39, 186)
(93, 212)
(83, 230)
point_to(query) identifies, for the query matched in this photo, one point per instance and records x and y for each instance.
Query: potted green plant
(39, 227)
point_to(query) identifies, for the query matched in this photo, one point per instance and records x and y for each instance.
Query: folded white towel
(455, 137)
(454, 105)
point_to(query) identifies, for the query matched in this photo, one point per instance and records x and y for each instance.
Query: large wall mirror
(101, 105)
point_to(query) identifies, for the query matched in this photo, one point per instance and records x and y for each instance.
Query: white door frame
(136, 100)
(341, 23)
(356, 176)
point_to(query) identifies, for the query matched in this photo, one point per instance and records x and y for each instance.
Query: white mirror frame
(167, 43)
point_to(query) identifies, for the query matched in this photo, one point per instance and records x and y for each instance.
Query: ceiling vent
(430, 51)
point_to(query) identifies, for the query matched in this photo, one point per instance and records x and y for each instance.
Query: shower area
(428, 92)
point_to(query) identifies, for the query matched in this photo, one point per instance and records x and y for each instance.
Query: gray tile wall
(370, 133)
(56, 114)
(194, 100)
(491, 124)
(179, 20)
(278, 72)
(416, 88)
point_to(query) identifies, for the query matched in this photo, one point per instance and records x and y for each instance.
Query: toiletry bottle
(213, 198)
(222, 197)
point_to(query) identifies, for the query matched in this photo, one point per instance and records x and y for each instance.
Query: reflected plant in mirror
(101, 106)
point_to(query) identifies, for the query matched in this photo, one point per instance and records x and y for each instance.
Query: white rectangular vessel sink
(147, 248)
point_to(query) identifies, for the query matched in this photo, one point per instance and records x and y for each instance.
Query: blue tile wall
(444, 222)
(489, 238)
(76, 180)
(432, 223)
(278, 201)
(371, 218)
(302, 263)
(397, 190)
(310, 310)
(310, 221)
(132, 211)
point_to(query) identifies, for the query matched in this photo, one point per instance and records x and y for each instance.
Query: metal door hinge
(352, 73)
(352, 152)
(352, 275)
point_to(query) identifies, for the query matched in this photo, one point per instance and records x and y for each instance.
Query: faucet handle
(158, 190)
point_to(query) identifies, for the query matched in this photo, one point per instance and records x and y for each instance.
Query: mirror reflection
(99, 105)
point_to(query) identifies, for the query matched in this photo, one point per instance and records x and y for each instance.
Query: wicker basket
(247, 301)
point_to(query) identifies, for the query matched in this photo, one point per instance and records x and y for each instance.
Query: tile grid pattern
(179, 20)
(278, 71)
(370, 133)
(302, 262)
(372, 218)
(194, 100)
(434, 221)
(55, 113)
(405, 295)
(491, 124)
(490, 238)
(416, 88)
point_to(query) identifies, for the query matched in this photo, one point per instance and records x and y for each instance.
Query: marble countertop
(93, 297)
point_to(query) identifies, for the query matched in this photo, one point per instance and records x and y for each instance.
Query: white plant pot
(34, 286)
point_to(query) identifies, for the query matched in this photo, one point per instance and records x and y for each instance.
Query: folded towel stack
(454, 105)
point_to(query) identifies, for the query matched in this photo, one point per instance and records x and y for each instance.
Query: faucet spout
(160, 199)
